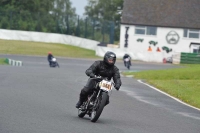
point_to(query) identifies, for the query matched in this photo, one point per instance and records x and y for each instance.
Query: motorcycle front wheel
(128, 65)
(97, 110)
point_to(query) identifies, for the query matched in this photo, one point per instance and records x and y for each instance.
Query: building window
(140, 30)
(196, 51)
(146, 30)
(191, 33)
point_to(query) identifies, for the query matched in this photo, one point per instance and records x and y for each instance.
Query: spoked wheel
(97, 110)
(128, 65)
(93, 114)
(57, 64)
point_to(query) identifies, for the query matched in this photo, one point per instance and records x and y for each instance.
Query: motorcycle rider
(105, 68)
(49, 58)
(126, 56)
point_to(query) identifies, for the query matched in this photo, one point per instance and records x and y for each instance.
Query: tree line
(58, 16)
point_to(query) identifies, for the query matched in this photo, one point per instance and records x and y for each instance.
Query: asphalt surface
(37, 99)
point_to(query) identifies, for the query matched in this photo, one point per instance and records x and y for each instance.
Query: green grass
(38, 48)
(2, 62)
(182, 83)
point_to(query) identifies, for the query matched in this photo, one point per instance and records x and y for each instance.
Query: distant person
(126, 56)
(49, 58)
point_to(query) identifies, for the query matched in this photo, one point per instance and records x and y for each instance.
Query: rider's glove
(92, 75)
(117, 87)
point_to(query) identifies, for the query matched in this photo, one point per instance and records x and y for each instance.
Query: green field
(182, 83)
(2, 61)
(38, 48)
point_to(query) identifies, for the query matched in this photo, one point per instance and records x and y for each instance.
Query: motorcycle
(96, 101)
(127, 62)
(54, 63)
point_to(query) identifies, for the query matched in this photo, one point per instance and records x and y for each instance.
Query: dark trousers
(87, 89)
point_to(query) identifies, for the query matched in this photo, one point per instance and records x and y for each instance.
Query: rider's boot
(79, 103)
(82, 98)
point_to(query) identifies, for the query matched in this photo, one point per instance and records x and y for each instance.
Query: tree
(105, 11)
(39, 15)
(27, 5)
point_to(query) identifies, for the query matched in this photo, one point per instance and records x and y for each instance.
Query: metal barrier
(13, 62)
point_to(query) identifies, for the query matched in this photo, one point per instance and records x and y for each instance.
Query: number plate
(106, 85)
(126, 59)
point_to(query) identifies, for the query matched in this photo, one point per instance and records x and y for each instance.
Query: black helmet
(109, 58)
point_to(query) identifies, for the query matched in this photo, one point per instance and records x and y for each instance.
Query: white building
(156, 29)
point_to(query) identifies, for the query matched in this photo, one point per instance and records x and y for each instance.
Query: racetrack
(37, 99)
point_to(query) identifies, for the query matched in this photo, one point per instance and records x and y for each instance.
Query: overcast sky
(79, 5)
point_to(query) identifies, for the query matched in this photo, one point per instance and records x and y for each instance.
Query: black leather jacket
(102, 69)
(49, 57)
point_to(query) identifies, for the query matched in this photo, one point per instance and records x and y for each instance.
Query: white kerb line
(168, 95)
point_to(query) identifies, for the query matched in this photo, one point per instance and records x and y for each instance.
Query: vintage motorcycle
(96, 101)
(127, 62)
(54, 63)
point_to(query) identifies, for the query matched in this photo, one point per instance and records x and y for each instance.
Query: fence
(90, 28)
(13, 62)
(190, 58)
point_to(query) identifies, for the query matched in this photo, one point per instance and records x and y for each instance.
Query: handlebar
(103, 78)
(100, 77)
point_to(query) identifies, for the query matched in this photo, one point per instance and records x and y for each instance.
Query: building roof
(164, 13)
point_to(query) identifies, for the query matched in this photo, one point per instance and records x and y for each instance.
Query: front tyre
(96, 112)
(128, 65)
(57, 64)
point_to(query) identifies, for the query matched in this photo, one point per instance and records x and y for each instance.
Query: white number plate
(106, 85)
(127, 59)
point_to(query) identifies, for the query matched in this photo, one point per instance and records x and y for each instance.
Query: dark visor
(111, 58)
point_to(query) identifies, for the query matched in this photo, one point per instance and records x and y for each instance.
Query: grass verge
(182, 83)
(2, 61)
(39, 48)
